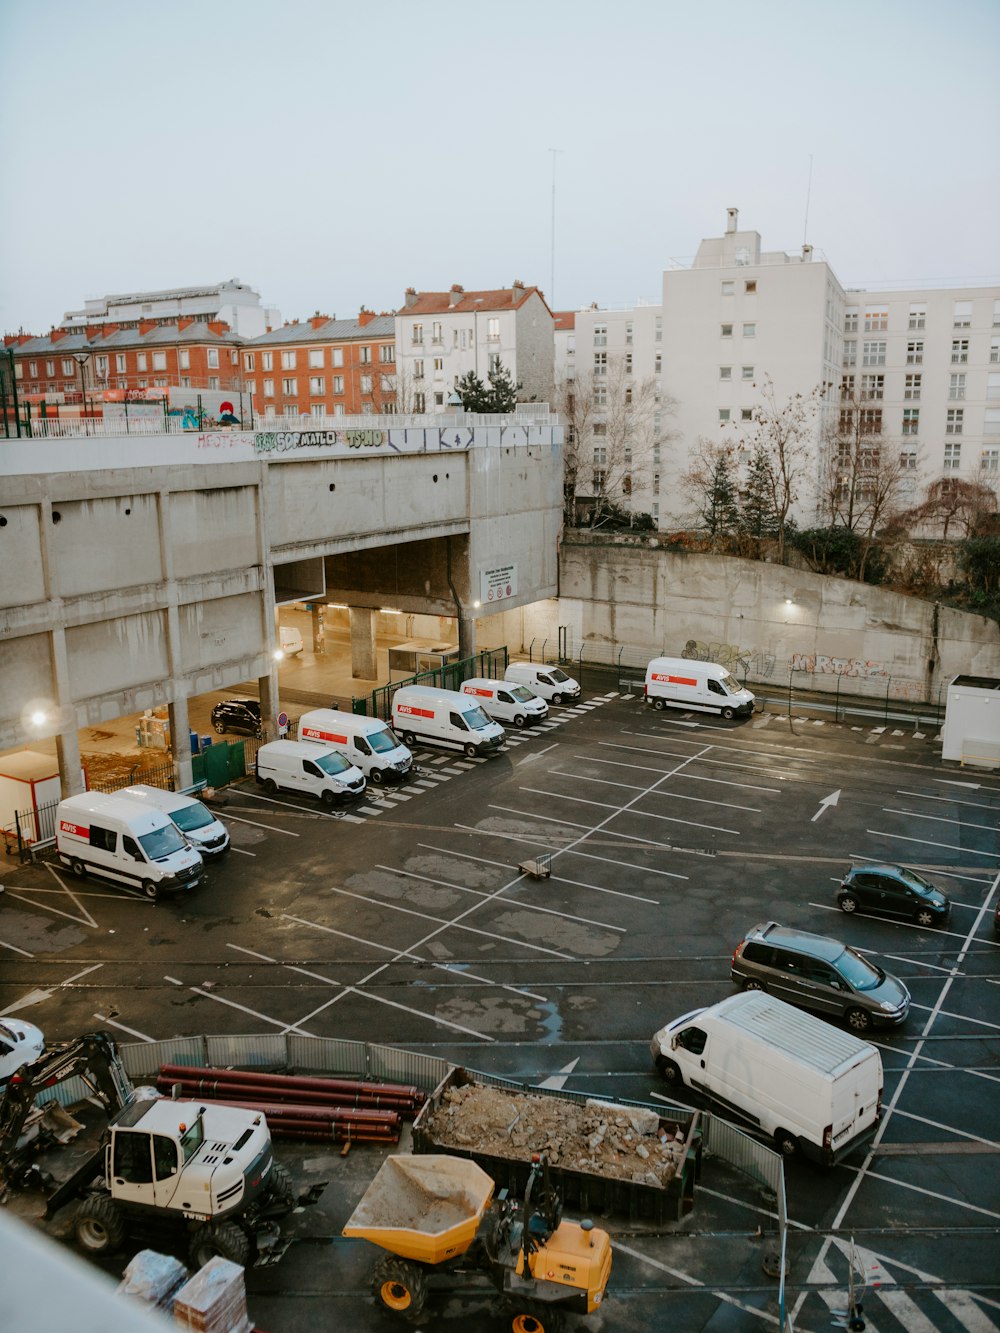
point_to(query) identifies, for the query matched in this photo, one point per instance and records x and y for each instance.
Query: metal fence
(491, 663)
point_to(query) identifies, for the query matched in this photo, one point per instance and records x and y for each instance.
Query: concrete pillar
(180, 738)
(466, 636)
(68, 757)
(364, 655)
(268, 686)
(319, 646)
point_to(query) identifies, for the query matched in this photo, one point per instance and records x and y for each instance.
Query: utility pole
(552, 274)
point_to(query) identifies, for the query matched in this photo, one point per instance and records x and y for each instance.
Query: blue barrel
(194, 742)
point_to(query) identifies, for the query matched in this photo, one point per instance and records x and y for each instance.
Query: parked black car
(242, 715)
(817, 973)
(893, 891)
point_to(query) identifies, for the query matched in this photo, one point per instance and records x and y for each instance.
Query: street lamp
(81, 359)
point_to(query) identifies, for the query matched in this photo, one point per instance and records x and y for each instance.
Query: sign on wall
(497, 585)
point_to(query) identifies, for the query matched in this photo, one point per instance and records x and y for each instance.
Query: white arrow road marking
(558, 1080)
(832, 799)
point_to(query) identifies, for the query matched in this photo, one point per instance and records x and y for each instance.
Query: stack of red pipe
(300, 1106)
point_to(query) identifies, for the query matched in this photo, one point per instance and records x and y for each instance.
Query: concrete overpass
(142, 570)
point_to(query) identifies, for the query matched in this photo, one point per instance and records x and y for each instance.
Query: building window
(872, 386)
(102, 367)
(750, 286)
(656, 483)
(918, 317)
(954, 421)
(956, 385)
(419, 402)
(727, 330)
(657, 363)
(876, 321)
(365, 355)
(366, 383)
(725, 372)
(995, 352)
(436, 332)
(247, 360)
(267, 360)
(600, 428)
(960, 351)
(417, 336)
(628, 363)
(870, 421)
(850, 352)
(315, 358)
(318, 409)
(289, 386)
(336, 357)
(387, 384)
(908, 458)
(600, 363)
(723, 414)
(952, 457)
(494, 363)
(911, 386)
(846, 387)
(338, 384)
(438, 364)
(213, 359)
(418, 369)
(992, 386)
(159, 360)
(269, 388)
(287, 360)
(747, 372)
(659, 328)
(728, 288)
(387, 354)
(914, 354)
(851, 321)
(749, 330)
(251, 388)
(600, 395)
(291, 409)
(628, 333)
(317, 384)
(990, 460)
(911, 420)
(213, 381)
(493, 329)
(746, 414)
(991, 421)
(141, 362)
(600, 335)
(874, 354)
(963, 315)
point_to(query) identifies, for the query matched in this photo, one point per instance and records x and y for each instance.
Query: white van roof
(296, 749)
(445, 698)
(357, 722)
(481, 683)
(130, 810)
(158, 797)
(807, 1039)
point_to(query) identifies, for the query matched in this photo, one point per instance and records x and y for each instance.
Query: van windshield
(162, 842)
(861, 974)
(476, 719)
(332, 763)
(557, 677)
(731, 684)
(382, 741)
(193, 816)
(523, 693)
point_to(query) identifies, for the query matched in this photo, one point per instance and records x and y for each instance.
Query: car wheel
(728, 714)
(78, 868)
(519, 721)
(470, 751)
(270, 786)
(659, 705)
(925, 917)
(750, 984)
(376, 776)
(859, 1020)
(557, 698)
(409, 740)
(847, 903)
(786, 1143)
(150, 890)
(219, 726)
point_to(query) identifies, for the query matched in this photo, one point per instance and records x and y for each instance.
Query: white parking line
(14, 949)
(948, 800)
(906, 925)
(690, 777)
(668, 794)
(644, 870)
(950, 1129)
(132, 1032)
(560, 879)
(626, 809)
(937, 819)
(961, 1018)
(927, 842)
(231, 1004)
(271, 828)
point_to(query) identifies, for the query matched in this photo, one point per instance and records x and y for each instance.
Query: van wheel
(728, 714)
(470, 751)
(376, 776)
(750, 984)
(658, 705)
(77, 867)
(670, 1071)
(150, 890)
(858, 1020)
(409, 739)
(557, 698)
(326, 800)
(519, 720)
(787, 1144)
(270, 786)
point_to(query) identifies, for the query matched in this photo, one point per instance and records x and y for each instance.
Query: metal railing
(491, 663)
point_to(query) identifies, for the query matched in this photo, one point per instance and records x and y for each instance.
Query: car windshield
(476, 719)
(523, 693)
(383, 741)
(192, 817)
(856, 970)
(557, 677)
(333, 763)
(162, 842)
(731, 684)
(917, 883)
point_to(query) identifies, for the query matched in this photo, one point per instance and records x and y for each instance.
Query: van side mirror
(673, 1043)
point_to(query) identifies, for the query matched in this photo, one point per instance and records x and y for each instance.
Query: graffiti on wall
(746, 662)
(818, 663)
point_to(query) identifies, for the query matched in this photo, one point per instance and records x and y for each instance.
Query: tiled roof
(565, 319)
(382, 326)
(440, 303)
(163, 334)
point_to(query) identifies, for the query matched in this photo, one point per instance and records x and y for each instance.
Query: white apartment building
(441, 336)
(231, 301)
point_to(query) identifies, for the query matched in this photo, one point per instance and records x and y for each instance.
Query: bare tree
(782, 434)
(971, 505)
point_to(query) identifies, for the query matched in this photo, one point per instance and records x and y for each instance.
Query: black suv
(814, 972)
(242, 715)
(893, 891)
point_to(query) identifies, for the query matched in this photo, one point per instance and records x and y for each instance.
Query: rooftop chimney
(732, 216)
(807, 254)
(456, 293)
(411, 296)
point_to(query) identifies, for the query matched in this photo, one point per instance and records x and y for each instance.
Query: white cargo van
(309, 769)
(550, 682)
(505, 702)
(808, 1086)
(675, 682)
(122, 840)
(290, 640)
(446, 718)
(366, 741)
(206, 834)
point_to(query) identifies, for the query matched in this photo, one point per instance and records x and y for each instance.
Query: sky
(332, 154)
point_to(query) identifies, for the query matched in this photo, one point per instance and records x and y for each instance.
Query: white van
(549, 681)
(290, 640)
(505, 702)
(206, 834)
(675, 682)
(808, 1086)
(309, 769)
(366, 741)
(120, 839)
(446, 718)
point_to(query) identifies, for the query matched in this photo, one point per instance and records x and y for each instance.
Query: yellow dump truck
(438, 1219)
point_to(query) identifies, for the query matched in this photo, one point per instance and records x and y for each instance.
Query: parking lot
(405, 919)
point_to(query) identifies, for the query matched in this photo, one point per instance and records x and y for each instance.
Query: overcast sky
(331, 154)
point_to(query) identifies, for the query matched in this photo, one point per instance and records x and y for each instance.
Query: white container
(675, 682)
(550, 682)
(123, 840)
(444, 718)
(504, 701)
(194, 819)
(367, 742)
(808, 1086)
(309, 769)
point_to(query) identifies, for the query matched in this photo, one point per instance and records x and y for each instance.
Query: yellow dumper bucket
(424, 1207)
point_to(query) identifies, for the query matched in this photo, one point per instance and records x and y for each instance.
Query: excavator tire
(281, 1186)
(98, 1224)
(533, 1317)
(399, 1286)
(223, 1238)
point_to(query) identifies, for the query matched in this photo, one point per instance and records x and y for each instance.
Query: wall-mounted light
(476, 605)
(278, 655)
(789, 602)
(38, 718)
(388, 611)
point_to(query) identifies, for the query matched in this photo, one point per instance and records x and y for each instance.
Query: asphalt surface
(405, 920)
